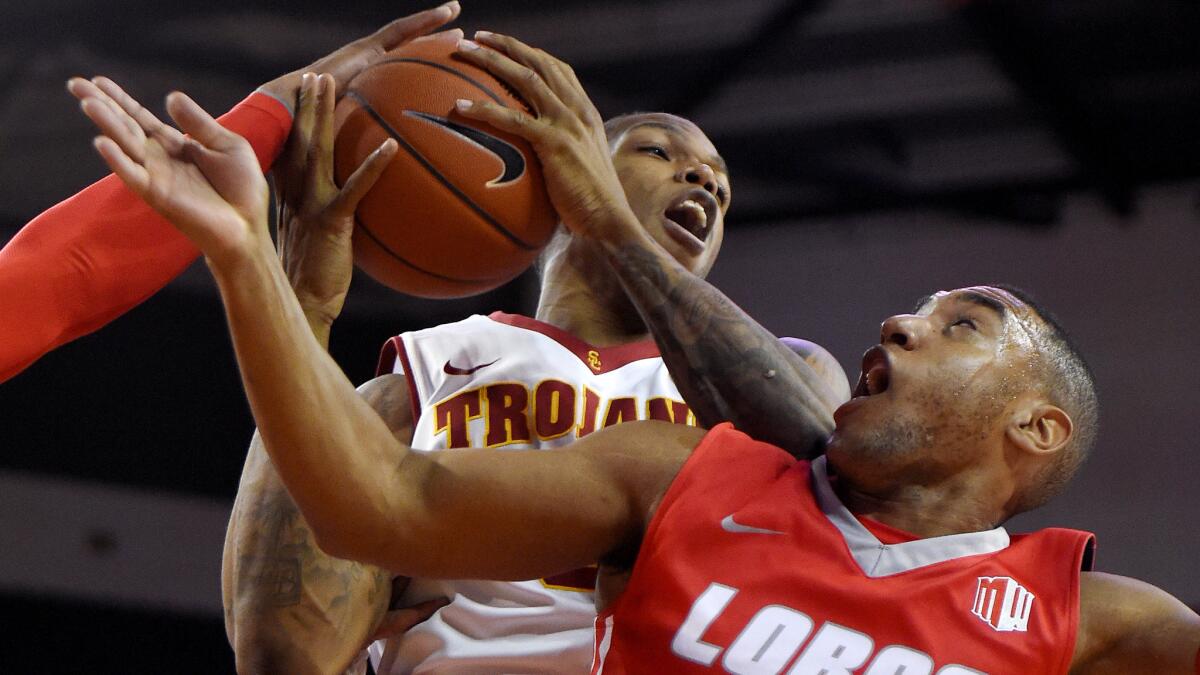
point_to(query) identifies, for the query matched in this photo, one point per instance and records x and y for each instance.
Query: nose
(903, 330)
(700, 174)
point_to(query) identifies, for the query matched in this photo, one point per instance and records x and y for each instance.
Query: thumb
(397, 622)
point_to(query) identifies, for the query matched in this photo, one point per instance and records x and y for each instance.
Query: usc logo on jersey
(514, 413)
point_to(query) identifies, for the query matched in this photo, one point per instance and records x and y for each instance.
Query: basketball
(461, 208)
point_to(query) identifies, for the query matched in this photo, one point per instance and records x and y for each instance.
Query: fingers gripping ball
(462, 208)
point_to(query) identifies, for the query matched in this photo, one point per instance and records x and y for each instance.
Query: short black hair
(1070, 385)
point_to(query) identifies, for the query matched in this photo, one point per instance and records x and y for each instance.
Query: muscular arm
(94, 256)
(1127, 627)
(455, 514)
(726, 365)
(289, 607)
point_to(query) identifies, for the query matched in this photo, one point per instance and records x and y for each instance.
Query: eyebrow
(984, 300)
(971, 297)
(715, 161)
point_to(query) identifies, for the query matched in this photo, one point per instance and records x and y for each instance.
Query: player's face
(677, 185)
(932, 396)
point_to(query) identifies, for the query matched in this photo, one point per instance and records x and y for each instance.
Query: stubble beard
(895, 439)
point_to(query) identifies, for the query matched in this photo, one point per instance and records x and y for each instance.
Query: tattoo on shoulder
(287, 569)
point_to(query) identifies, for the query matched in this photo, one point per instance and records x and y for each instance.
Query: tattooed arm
(289, 607)
(726, 365)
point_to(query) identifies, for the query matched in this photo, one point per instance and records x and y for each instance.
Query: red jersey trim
(1083, 558)
(599, 359)
(392, 350)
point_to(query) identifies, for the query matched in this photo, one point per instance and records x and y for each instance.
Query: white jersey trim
(877, 559)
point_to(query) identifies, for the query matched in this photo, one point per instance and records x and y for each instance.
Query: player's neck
(925, 511)
(583, 297)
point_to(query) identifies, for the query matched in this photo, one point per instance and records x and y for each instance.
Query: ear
(1040, 428)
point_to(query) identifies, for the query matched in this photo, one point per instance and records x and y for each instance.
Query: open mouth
(876, 373)
(695, 211)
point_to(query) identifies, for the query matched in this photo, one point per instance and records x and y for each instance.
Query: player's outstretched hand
(565, 128)
(347, 61)
(207, 183)
(316, 218)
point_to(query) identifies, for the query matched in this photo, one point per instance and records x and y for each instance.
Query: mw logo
(1003, 604)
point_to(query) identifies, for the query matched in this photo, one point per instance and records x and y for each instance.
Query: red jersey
(751, 564)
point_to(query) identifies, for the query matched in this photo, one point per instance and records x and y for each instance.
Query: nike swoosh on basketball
(509, 155)
(730, 525)
(455, 370)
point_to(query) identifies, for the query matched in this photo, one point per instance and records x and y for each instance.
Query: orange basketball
(462, 207)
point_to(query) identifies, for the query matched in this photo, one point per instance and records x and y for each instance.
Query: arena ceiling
(821, 106)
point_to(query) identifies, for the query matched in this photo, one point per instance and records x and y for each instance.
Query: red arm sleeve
(92, 257)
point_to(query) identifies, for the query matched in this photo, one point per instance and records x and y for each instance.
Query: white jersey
(506, 381)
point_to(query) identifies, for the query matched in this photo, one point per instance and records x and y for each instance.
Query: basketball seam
(463, 76)
(487, 217)
(401, 259)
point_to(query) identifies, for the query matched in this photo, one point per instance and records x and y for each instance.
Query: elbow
(337, 542)
(361, 542)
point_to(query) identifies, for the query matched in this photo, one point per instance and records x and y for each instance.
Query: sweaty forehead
(997, 300)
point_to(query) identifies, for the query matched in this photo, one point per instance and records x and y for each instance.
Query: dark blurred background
(879, 150)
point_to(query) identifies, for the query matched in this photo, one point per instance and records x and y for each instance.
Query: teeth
(695, 206)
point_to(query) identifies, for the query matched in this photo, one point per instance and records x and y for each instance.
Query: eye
(969, 323)
(656, 150)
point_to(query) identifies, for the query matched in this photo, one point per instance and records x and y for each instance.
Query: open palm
(207, 183)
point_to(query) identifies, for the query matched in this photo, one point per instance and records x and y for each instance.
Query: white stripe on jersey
(603, 647)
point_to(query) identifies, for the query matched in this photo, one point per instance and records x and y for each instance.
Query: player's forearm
(327, 443)
(292, 608)
(726, 365)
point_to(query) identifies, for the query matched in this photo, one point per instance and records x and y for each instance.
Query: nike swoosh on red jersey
(730, 525)
(455, 370)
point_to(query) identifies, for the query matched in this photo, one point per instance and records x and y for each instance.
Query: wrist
(619, 231)
(284, 89)
(235, 264)
(614, 228)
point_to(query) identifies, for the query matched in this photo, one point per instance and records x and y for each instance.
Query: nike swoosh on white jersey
(730, 525)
